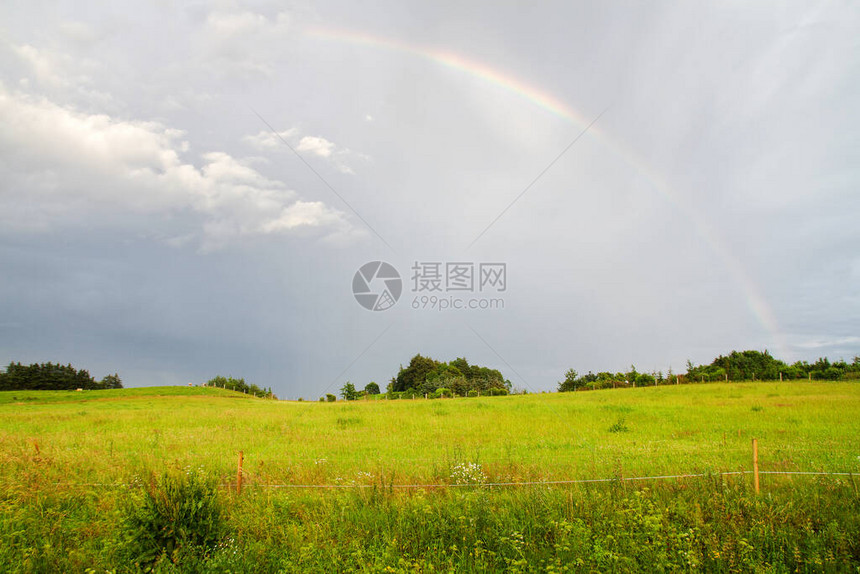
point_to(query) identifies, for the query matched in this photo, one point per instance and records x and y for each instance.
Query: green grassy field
(73, 461)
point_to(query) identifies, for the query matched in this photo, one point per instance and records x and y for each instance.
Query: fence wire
(443, 485)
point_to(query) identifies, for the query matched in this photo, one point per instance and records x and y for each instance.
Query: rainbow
(755, 300)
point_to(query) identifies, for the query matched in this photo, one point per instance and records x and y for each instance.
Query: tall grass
(74, 468)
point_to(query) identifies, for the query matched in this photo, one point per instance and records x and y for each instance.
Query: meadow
(434, 485)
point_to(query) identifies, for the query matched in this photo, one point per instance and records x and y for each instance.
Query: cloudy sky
(188, 191)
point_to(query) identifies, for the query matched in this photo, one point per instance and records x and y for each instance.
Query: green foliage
(111, 382)
(570, 382)
(605, 380)
(415, 374)
(330, 398)
(741, 366)
(51, 377)
(737, 366)
(645, 380)
(425, 375)
(348, 392)
(371, 388)
(619, 426)
(51, 520)
(172, 516)
(752, 365)
(240, 386)
(705, 525)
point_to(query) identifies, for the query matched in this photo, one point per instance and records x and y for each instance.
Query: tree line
(736, 366)
(52, 377)
(425, 376)
(239, 385)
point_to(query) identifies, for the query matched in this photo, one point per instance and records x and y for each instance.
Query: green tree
(415, 375)
(645, 380)
(240, 386)
(111, 382)
(570, 383)
(45, 376)
(348, 392)
(371, 388)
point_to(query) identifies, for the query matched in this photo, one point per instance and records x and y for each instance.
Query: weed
(619, 426)
(177, 514)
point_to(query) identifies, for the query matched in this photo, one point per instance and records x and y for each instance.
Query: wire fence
(444, 485)
(618, 468)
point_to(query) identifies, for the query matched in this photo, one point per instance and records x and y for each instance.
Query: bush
(371, 388)
(619, 426)
(178, 514)
(330, 398)
(472, 394)
(348, 392)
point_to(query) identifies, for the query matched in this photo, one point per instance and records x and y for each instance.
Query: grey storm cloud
(153, 225)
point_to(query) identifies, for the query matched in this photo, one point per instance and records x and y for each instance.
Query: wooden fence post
(755, 464)
(239, 473)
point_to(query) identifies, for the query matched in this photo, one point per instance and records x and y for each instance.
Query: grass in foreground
(135, 440)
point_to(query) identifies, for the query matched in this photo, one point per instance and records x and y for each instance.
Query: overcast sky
(189, 191)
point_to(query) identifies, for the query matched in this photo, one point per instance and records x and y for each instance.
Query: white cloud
(317, 146)
(301, 213)
(60, 165)
(267, 140)
(824, 342)
(44, 69)
(79, 32)
(54, 69)
(338, 157)
(244, 42)
(235, 23)
(56, 73)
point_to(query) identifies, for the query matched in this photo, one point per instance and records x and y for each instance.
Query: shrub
(619, 426)
(348, 392)
(330, 398)
(178, 514)
(371, 388)
(472, 393)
